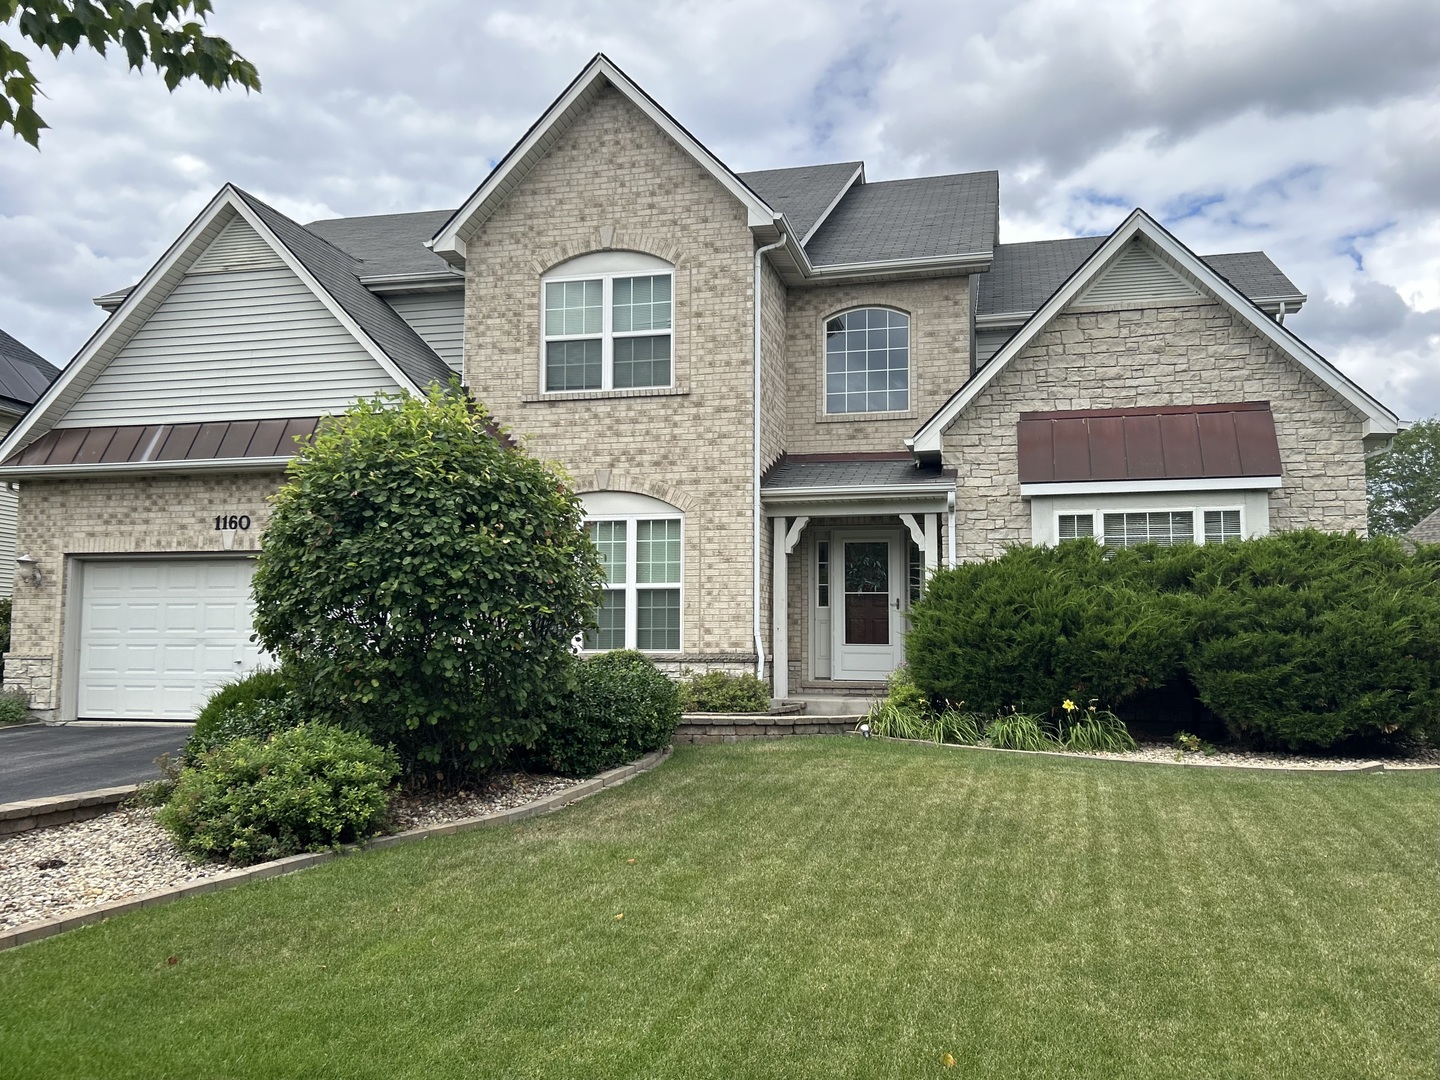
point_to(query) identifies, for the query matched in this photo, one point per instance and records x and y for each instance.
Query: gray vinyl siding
(9, 514)
(1136, 279)
(988, 342)
(439, 319)
(232, 346)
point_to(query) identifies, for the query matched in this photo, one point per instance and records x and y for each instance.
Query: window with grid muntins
(1157, 527)
(915, 570)
(867, 361)
(822, 574)
(609, 332)
(1221, 525)
(640, 608)
(1072, 526)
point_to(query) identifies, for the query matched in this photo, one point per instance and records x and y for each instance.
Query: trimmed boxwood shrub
(1300, 640)
(307, 788)
(622, 706)
(718, 692)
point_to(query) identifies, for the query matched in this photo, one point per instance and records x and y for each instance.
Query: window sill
(840, 418)
(603, 395)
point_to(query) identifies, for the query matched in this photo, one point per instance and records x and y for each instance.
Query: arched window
(639, 540)
(867, 361)
(608, 322)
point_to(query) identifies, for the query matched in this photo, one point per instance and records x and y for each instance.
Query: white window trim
(1197, 519)
(631, 588)
(909, 365)
(607, 334)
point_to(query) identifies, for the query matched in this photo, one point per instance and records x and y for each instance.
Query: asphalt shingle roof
(387, 244)
(801, 194)
(1023, 276)
(339, 273)
(790, 475)
(24, 373)
(1427, 530)
(910, 219)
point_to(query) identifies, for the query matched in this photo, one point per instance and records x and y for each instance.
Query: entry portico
(874, 521)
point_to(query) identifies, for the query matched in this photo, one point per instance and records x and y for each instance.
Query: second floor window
(608, 331)
(867, 361)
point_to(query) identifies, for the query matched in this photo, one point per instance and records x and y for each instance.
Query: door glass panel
(867, 593)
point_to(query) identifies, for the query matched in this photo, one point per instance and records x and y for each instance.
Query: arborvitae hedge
(1302, 639)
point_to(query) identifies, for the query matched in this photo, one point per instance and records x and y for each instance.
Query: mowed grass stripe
(801, 907)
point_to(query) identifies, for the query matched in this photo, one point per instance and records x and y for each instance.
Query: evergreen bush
(256, 704)
(719, 692)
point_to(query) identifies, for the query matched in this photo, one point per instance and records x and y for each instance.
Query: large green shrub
(257, 704)
(422, 580)
(622, 706)
(307, 788)
(719, 692)
(1301, 640)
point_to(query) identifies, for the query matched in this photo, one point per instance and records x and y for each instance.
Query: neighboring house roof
(1172, 443)
(1427, 530)
(1379, 421)
(903, 220)
(389, 245)
(815, 473)
(235, 441)
(1023, 276)
(24, 374)
(807, 193)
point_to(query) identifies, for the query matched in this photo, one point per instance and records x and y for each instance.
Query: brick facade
(1175, 355)
(140, 515)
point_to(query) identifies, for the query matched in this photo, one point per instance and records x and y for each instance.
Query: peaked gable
(1161, 245)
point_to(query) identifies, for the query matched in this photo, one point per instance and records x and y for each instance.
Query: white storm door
(867, 595)
(157, 636)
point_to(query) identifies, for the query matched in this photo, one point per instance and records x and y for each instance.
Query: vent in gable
(238, 247)
(1136, 279)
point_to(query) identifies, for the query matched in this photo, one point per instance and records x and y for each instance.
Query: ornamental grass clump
(307, 788)
(422, 580)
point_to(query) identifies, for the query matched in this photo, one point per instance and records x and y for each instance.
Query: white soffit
(1378, 419)
(449, 242)
(1145, 487)
(151, 291)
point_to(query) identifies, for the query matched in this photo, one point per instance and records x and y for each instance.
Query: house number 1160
(231, 521)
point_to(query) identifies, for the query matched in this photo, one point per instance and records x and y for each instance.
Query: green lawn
(809, 907)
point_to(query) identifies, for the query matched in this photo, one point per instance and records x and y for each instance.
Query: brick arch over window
(606, 480)
(608, 238)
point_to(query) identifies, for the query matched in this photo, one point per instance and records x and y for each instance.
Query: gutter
(755, 475)
(858, 493)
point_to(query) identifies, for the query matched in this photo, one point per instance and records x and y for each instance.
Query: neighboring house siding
(614, 180)
(151, 514)
(232, 346)
(1193, 354)
(9, 509)
(939, 311)
(439, 319)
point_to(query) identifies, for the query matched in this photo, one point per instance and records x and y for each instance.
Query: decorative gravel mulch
(1266, 760)
(48, 873)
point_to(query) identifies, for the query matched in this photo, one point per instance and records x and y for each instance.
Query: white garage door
(158, 635)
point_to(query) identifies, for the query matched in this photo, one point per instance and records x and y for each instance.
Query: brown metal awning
(1180, 442)
(215, 440)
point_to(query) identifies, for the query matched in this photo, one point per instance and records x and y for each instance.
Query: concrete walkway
(39, 761)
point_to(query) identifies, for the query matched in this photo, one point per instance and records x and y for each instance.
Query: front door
(869, 628)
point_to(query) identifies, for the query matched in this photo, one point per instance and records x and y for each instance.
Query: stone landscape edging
(27, 814)
(23, 935)
(1371, 767)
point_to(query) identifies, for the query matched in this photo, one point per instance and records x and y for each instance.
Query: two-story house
(784, 396)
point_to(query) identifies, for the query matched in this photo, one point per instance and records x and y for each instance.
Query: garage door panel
(158, 636)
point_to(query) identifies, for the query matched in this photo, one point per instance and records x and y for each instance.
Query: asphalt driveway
(39, 761)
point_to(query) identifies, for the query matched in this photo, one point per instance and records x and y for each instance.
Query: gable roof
(1023, 276)
(449, 240)
(389, 245)
(903, 220)
(1378, 419)
(328, 272)
(24, 374)
(805, 194)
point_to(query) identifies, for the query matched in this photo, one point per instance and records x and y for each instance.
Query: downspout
(950, 530)
(755, 477)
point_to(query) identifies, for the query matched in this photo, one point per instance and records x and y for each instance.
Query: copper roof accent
(216, 440)
(1175, 442)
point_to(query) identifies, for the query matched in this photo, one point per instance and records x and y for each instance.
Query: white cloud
(1311, 131)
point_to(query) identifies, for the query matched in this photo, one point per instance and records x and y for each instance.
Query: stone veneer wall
(939, 310)
(151, 514)
(1173, 355)
(615, 181)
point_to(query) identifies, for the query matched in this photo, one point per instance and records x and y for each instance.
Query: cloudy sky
(1308, 129)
